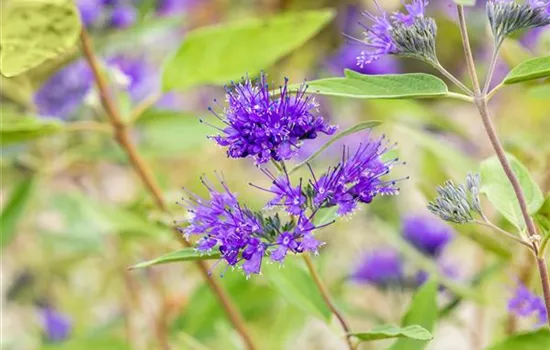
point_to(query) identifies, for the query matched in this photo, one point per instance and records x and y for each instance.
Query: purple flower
(346, 58)
(242, 236)
(64, 91)
(174, 7)
(57, 326)
(123, 16)
(90, 11)
(428, 234)
(382, 268)
(524, 304)
(292, 198)
(507, 16)
(265, 127)
(357, 178)
(408, 34)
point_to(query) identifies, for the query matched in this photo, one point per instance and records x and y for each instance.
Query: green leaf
(14, 209)
(538, 340)
(528, 70)
(297, 287)
(465, 2)
(390, 86)
(423, 311)
(14, 129)
(500, 192)
(35, 31)
(358, 127)
(542, 217)
(389, 331)
(217, 54)
(186, 254)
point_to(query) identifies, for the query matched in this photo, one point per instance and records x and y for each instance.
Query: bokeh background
(82, 216)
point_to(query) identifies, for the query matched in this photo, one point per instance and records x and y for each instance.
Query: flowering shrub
(316, 216)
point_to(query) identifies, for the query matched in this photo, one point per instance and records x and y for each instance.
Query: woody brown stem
(122, 136)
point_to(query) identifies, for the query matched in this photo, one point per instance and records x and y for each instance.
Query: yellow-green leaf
(33, 31)
(498, 189)
(528, 70)
(16, 128)
(389, 331)
(218, 54)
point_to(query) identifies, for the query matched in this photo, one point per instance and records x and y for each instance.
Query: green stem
(481, 103)
(451, 77)
(491, 70)
(281, 166)
(487, 223)
(326, 297)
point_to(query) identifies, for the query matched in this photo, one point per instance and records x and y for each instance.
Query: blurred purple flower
(411, 34)
(266, 127)
(532, 37)
(123, 16)
(346, 58)
(524, 304)
(242, 236)
(382, 268)
(64, 91)
(57, 326)
(427, 233)
(90, 11)
(357, 178)
(174, 7)
(142, 78)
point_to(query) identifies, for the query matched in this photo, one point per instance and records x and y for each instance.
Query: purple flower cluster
(265, 127)
(57, 326)
(244, 237)
(409, 34)
(355, 179)
(292, 198)
(428, 234)
(383, 268)
(524, 304)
